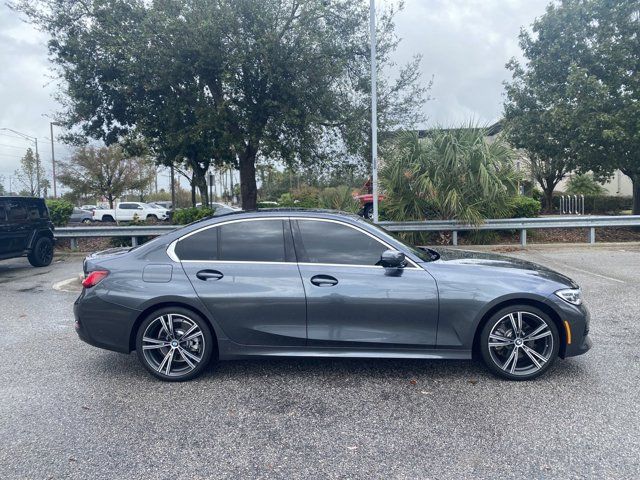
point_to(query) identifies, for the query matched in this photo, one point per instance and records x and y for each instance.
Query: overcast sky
(465, 45)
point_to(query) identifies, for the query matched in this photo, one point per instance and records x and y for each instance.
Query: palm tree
(451, 174)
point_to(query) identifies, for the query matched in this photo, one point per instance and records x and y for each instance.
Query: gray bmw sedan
(317, 283)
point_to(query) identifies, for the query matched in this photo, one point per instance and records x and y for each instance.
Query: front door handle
(209, 275)
(324, 280)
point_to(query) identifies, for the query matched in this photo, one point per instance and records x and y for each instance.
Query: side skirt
(229, 350)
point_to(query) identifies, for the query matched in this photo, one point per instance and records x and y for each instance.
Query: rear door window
(202, 246)
(254, 241)
(244, 241)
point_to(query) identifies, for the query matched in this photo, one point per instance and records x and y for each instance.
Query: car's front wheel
(174, 344)
(519, 342)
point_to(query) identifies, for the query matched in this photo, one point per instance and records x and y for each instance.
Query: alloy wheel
(173, 345)
(45, 252)
(521, 343)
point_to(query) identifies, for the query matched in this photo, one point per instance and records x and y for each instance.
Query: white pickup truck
(128, 211)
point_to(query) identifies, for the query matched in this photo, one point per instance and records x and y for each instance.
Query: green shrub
(338, 198)
(191, 214)
(524, 207)
(59, 212)
(268, 205)
(305, 197)
(606, 204)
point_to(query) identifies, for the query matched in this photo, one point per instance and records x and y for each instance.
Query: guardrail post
(592, 235)
(134, 241)
(454, 238)
(523, 237)
(74, 243)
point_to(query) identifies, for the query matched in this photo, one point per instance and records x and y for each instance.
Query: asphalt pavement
(69, 410)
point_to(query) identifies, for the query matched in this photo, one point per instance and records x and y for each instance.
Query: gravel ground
(68, 410)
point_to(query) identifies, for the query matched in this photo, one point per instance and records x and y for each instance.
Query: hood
(450, 256)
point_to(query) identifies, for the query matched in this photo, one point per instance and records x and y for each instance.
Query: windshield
(424, 253)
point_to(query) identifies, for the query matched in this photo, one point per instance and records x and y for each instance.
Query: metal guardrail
(74, 233)
(522, 224)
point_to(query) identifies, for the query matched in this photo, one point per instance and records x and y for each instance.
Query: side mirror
(392, 259)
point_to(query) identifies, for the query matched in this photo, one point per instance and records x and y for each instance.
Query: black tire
(160, 344)
(152, 218)
(86, 221)
(510, 355)
(367, 212)
(41, 254)
(108, 218)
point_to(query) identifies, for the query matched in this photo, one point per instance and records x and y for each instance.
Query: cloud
(26, 90)
(465, 45)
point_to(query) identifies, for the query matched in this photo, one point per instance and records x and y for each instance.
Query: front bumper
(575, 319)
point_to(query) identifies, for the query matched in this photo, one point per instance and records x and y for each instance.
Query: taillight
(94, 278)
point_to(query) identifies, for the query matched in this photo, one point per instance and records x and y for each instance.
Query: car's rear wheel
(42, 253)
(86, 220)
(519, 342)
(174, 344)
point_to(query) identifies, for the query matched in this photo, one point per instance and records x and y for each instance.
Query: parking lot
(68, 410)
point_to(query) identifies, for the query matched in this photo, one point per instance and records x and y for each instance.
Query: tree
(224, 81)
(576, 102)
(29, 172)
(537, 107)
(584, 184)
(103, 172)
(2, 190)
(451, 174)
(605, 86)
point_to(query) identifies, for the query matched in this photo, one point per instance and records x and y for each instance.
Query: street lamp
(53, 159)
(374, 109)
(35, 140)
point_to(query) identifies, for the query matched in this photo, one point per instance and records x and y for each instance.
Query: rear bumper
(104, 324)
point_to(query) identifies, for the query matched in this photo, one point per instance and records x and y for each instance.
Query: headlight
(571, 295)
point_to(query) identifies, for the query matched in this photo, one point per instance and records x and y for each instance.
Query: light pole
(374, 110)
(53, 160)
(35, 140)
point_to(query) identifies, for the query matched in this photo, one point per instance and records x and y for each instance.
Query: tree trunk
(248, 188)
(193, 193)
(201, 183)
(635, 180)
(548, 199)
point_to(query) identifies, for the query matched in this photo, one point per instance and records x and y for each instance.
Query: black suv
(25, 228)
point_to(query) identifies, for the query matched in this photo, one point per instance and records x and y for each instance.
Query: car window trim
(172, 254)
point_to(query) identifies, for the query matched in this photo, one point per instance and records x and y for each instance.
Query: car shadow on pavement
(337, 371)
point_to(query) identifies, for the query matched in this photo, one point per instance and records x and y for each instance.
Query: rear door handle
(324, 280)
(209, 275)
